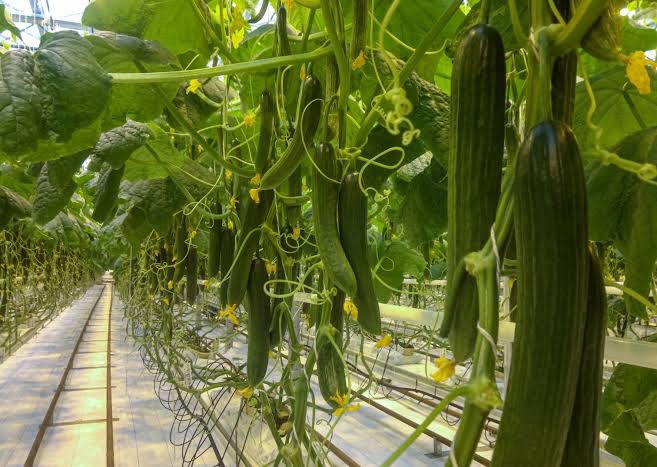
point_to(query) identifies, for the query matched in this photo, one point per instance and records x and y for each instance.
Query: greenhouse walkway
(60, 405)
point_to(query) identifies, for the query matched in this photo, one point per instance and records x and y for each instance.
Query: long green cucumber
(308, 119)
(582, 445)
(360, 20)
(180, 249)
(267, 111)
(215, 235)
(352, 215)
(225, 262)
(247, 244)
(191, 286)
(476, 148)
(257, 306)
(330, 369)
(549, 205)
(325, 193)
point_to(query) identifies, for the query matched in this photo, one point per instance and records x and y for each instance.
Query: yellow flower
(229, 312)
(302, 72)
(296, 233)
(254, 193)
(192, 234)
(636, 71)
(228, 174)
(170, 285)
(257, 178)
(246, 393)
(385, 341)
(230, 225)
(343, 404)
(351, 309)
(446, 369)
(233, 202)
(194, 86)
(289, 4)
(271, 355)
(358, 62)
(285, 428)
(237, 27)
(271, 267)
(249, 119)
(166, 301)
(200, 148)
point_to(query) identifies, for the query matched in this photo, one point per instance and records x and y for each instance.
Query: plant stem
(254, 66)
(567, 38)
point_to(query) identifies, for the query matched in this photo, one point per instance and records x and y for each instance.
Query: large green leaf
(620, 109)
(633, 454)
(12, 205)
(624, 208)
(158, 200)
(116, 145)
(20, 101)
(118, 53)
(49, 149)
(76, 89)
(500, 19)
(391, 261)
(143, 165)
(61, 171)
(179, 25)
(49, 200)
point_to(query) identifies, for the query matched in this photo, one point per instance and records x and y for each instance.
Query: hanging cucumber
(180, 250)
(476, 147)
(352, 214)
(215, 235)
(325, 191)
(226, 256)
(247, 244)
(257, 306)
(549, 205)
(308, 119)
(330, 368)
(267, 112)
(605, 38)
(582, 445)
(191, 286)
(360, 20)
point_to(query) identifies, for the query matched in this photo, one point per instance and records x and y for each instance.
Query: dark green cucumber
(267, 111)
(582, 445)
(549, 205)
(352, 215)
(257, 306)
(277, 329)
(476, 148)
(191, 286)
(180, 249)
(564, 75)
(360, 20)
(225, 262)
(330, 369)
(247, 244)
(308, 119)
(215, 235)
(107, 192)
(325, 192)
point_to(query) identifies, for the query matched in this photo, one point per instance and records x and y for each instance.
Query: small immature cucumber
(582, 445)
(476, 151)
(308, 119)
(258, 326)
(549, 205)
(330, 369)
(325, 192)
(353, 234)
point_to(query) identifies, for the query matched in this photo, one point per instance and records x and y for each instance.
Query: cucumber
(267, 111)
(191, 287)
(257, 306)
(330, 369)
(226, 258)
(215, 235)
(549, 205)
(310, 112)
(564, 74)
(605, 38)
(247, 244)
(582, 445)
(180, 250)
(352, 214)
(325, 194)
(476, 148)
(360, 19)
(277, 329)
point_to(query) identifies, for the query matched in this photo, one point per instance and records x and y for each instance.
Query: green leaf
(12, 205)
(20, 101)
(107, 192)
(62, 228)
(637, 37)
(61, 171)
(197, 110)
(75, 88)
(423, 212)
(620, 109)
(6, 24)
(629, 388)
(196, 179)
(633, 454)
(646, 411)
(17, 180)
(500, 19)
(49, 200)
(157, 199)
(134, 227)
(117, 53)
(392, 260)
(142, 165)
(178, 25)
(116, 145)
